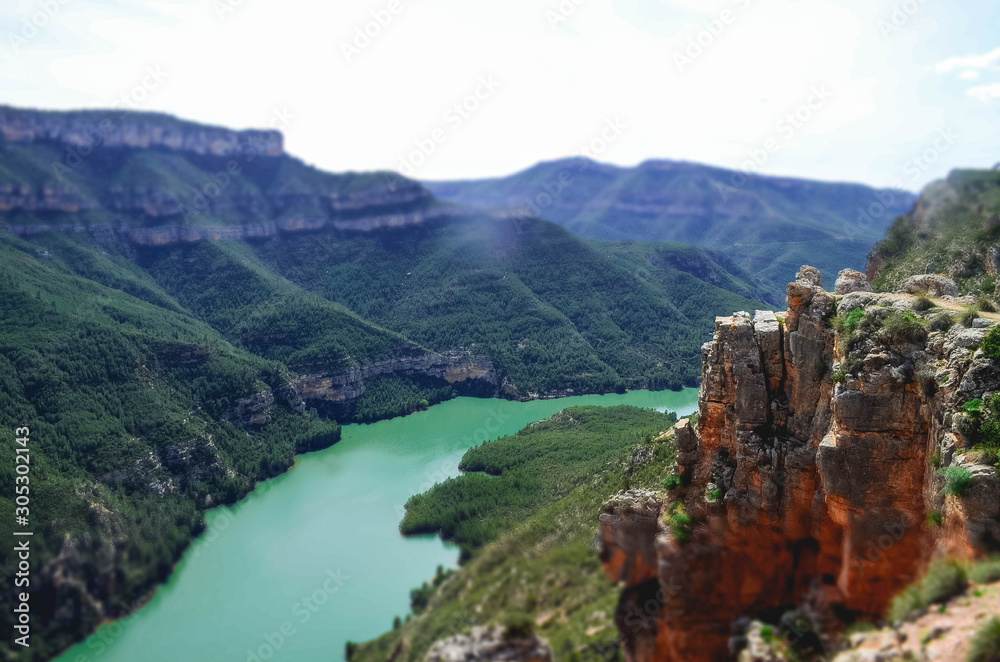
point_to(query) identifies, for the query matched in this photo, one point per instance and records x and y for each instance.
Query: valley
(336, 511)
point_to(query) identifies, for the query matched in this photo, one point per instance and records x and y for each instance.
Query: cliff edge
(813, 486)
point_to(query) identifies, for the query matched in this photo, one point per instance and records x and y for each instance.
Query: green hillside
(533, 518)
(769, 226)
(131, 404)
(954, 229)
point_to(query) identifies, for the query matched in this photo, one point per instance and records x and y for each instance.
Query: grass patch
(958, 481)
(986, 572)
(944, 580)
(679, 521)
(968, 316)
(986, 644)
(903, 328)
(986, 303)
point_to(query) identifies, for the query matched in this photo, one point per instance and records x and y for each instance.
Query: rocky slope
(954, 229)
(809, 492)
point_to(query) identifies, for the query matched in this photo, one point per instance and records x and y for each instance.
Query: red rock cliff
(809, 479)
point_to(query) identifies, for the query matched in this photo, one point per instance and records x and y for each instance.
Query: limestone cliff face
(338, 390)
(809, 479)
(119, 128)
(228, 184)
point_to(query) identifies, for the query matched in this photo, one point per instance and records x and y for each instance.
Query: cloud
(986, 93)
(971, 66)
(986, 61)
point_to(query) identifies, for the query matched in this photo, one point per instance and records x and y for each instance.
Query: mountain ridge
(768, 225)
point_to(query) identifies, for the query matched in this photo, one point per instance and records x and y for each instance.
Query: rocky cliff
(87, 130)
(158, 180)
(809, 492)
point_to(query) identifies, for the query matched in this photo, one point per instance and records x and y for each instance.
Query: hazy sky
(887, 92)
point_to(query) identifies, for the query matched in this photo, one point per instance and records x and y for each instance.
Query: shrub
(903, 328)
(518, 626)
(715, 496)
(935, 519)
(840, 375)
(672, 482)
(906, 605)
(968, 316)
(986, 572)
(922, 302)
(991, 344)
(849, 321)
(986, 303)
(986, 644)
(935, 458)
(958, 480)
(679, 521)
(941, 322)
(944, 580)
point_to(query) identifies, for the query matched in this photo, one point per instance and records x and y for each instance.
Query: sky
(884, 92)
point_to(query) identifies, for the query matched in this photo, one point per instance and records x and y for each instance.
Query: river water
(313, 559)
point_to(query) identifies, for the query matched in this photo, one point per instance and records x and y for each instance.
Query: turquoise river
(314, 558)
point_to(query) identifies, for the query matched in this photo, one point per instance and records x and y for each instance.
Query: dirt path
(946, 305)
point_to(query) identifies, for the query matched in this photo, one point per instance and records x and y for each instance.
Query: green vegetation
(509, 479)
(903, 328)
(944, 580)
(541, 565)
(956, 239)
(389, 396)
(968, 316)
(986, 644)
(941, 322)
(679, 521)
(958, 481)
(132, 407)
(156, 374)
(991, 344)
(986, 572)
(922, 303)
(607, 319)
(793, 223)
(986, 303)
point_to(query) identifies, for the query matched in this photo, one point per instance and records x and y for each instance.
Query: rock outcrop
(338, 390)
(850, 280)
(931, 284)
(809, 479)
(87, 130)
(484, 644)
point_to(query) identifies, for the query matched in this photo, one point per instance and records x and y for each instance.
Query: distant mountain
(183, 308)
(770, 226)
(953, 229)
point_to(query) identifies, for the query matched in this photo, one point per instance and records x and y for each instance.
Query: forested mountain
(770, 226)
(183, 308)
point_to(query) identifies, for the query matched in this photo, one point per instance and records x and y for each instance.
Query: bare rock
(809, 276)
(485, 644)
(849, 281)
(934, 285)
